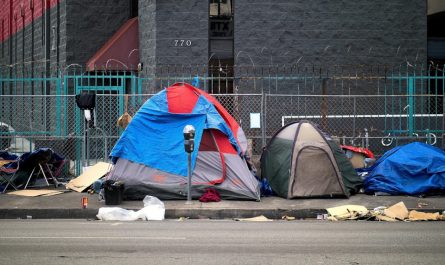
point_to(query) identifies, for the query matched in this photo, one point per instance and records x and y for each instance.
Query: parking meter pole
(189, 182)
(189, 146)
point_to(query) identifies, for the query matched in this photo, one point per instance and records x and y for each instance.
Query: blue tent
(155, 126)
(412, 169)
(150, 158)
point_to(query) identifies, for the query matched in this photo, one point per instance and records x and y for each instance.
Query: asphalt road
(220, 242)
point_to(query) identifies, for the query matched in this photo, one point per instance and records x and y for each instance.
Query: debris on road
(260, 218)
(396, 212)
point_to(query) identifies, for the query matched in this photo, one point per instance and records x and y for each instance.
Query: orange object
(84, 202)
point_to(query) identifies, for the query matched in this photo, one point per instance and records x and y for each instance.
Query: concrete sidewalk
(68, 206)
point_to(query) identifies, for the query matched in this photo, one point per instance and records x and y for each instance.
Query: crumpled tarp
(412, 169)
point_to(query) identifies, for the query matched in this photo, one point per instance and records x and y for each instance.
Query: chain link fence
(378, 109)
(56, 121)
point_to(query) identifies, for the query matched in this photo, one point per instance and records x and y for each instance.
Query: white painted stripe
(93, 237)
(283, 118)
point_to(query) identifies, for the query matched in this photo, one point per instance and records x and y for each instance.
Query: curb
(90, 213)
(169, 213)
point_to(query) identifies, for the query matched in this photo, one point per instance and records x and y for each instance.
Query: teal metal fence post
(411, 106)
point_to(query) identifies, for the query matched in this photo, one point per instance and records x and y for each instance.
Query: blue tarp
(154, 136)
(412, 169)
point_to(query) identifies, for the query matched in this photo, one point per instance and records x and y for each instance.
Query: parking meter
(189, 138)
(189, 146)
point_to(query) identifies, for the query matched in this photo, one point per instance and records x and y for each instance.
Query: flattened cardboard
(35, 193)
(397, 211)
(347, 211)
(421, 216)
(87, 178)
(260, 218)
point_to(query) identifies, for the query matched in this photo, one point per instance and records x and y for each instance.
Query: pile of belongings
(360, 157)
(29, 163)
(397, 212)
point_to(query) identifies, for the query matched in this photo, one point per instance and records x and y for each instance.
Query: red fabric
(360, 150)
(210, 195)
(181, 98)
(207, 143)
(224, 145)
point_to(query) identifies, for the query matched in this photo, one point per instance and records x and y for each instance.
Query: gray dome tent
(302, 161)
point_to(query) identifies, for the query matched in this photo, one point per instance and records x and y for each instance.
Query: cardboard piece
(35, 193)
(87, 178)
(381, 217)
(260, 218)
(347, 211)
(397, 211)
(421, 216)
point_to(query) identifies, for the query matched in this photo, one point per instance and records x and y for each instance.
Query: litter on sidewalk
(35, 193)
(396, 212)
(154, 210)
(347, 212)
(260, 218)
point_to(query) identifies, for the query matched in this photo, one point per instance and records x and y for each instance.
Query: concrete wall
(172, 33)
(330, 32)
(147, 38)
(147, 31)
(182, 32)
(292, 32)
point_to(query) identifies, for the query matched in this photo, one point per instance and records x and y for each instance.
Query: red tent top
(361, 150)
(182, 98)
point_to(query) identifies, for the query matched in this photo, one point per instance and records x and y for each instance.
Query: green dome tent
(302, 161)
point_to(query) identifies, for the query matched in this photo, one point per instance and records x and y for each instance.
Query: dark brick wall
(182, 20)
(89, 24)
(28, 44)
(330, 32)
(147, 36)
(172, 33)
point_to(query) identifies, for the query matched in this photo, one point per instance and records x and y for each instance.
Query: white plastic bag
(117, 214)
(153, 210)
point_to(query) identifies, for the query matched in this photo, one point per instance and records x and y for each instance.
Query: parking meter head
(189, 138)
(189, 132)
